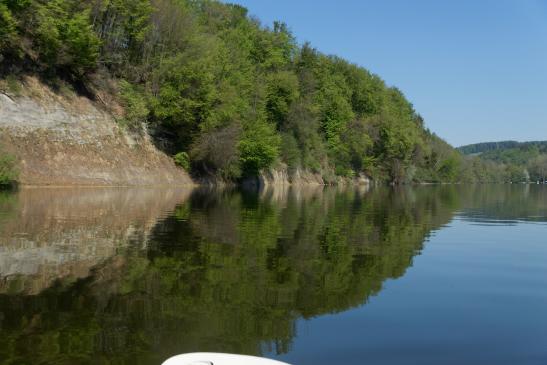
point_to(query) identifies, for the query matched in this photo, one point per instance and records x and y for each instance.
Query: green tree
(8, 169)
(136, 108)
(185, 98)
(259, 147)
(282, 91)
(8, 28)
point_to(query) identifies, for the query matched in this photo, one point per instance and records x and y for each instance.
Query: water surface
(426, 275)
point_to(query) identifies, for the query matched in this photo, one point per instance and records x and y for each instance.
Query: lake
(311, 276)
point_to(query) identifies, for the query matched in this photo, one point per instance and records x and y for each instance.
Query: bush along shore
(8, 170)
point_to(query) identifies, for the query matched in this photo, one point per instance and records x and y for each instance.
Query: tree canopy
(234, 95)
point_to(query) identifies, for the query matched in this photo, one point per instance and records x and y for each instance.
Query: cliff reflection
(53, 234)
(223, 271)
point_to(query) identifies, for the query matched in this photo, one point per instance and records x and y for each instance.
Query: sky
(476, 70)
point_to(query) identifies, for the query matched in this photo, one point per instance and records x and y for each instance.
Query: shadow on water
(132, 276)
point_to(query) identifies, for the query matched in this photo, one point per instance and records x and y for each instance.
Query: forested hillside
(503, 145)
(527, 160)
(477, 148)
(225, 95)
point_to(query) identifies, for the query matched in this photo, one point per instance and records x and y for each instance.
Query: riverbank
(65, 139)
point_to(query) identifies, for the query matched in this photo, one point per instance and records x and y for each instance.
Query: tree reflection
(226, 271)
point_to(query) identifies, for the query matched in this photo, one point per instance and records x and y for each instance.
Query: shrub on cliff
(135, 108)
(183, 160)
(8, 170)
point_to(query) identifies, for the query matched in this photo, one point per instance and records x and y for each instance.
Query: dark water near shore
(312, 276)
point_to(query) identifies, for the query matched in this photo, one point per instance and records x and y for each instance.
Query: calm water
(427, 275)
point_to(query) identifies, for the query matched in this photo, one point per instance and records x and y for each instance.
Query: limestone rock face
(60, 140)
(282, 177)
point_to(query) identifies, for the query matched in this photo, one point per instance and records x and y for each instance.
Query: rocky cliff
(64, 139)
(70, 140)
(281, 176)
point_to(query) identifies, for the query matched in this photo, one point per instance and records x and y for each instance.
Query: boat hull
(212, 358)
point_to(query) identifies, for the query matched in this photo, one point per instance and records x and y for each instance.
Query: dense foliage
(522, 161)
(8, 169)
(235, 96)
(477, 148)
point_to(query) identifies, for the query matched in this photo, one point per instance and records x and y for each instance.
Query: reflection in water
(134, 276)
(52, 234)
(505, 204)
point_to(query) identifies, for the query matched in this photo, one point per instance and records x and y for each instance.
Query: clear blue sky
(476, 70)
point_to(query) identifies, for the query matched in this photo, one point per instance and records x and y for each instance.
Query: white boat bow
(212, 358)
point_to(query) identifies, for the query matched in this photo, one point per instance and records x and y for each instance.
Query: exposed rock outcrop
(282, 177)
(70, 140)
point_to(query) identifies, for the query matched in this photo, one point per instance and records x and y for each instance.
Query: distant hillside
(477, 148)
(522, 160)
